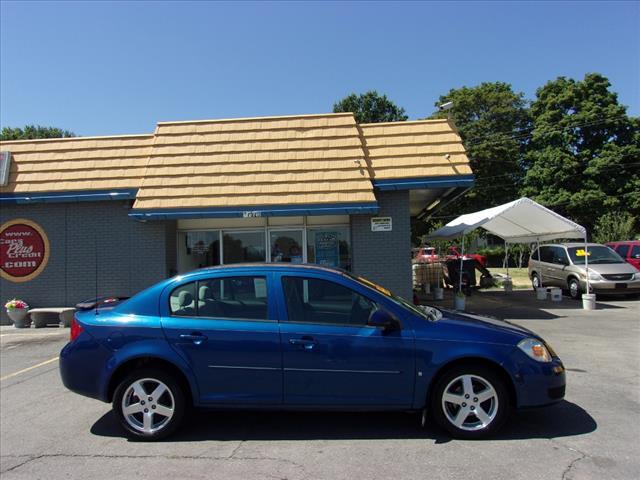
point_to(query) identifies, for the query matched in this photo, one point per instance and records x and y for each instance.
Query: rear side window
(623, 250)
(544, 254)
(182, 300)
(312, 300)
(233, 297)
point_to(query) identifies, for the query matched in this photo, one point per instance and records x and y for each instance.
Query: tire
(152, 418)
(451, 409)
(574, 289)
(535, 281)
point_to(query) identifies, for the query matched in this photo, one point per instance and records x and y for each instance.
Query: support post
(506, 255)
(586, 263)
(538, 244)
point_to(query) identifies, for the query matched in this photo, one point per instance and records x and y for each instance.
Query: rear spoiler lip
(100, 303)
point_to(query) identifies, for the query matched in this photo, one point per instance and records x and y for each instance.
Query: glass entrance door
(286, 246)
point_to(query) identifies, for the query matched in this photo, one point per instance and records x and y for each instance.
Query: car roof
(624, 242)
(263, 266)
(572, 244)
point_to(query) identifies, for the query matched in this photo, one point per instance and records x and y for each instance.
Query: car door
(557, 271)
(330, 356)
(225, 327)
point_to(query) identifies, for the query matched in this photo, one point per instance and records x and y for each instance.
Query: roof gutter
(70, 196)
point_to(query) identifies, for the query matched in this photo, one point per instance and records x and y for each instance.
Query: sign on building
(381, 224)
(24, 250)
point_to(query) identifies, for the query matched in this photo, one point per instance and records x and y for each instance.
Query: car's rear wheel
(149, 404)
(574, 289)
(470, 402)
(535, 281)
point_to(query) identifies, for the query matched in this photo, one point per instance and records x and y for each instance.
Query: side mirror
(383, 319)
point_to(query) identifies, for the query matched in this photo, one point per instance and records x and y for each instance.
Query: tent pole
(506, 254)
(586, 262)
(461, 262)
(538, 244)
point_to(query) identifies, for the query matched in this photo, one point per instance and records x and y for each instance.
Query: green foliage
(32, 132)
(488, 117)
(582, 160)
(370, 107)
(614, 226)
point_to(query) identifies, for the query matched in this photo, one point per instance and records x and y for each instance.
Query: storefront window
(243, 247)
(329, 246)
(286, 246)
(198, 249)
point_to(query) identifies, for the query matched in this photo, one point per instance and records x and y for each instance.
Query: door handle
(196, 338)
(306, 342)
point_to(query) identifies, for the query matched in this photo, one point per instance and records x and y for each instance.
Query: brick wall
(385, 257)
(85, 237)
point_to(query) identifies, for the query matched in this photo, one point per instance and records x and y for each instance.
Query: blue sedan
(287, 336)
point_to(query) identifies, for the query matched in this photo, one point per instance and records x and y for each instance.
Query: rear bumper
(80, 367)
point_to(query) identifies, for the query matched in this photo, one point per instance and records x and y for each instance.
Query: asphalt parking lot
(48, 432)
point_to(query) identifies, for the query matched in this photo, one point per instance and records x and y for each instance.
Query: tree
(614, 226)
(582, 160)
(33, 131)
(370, 107)
(490, 119)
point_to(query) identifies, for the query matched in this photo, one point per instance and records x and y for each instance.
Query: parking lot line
(24, 370)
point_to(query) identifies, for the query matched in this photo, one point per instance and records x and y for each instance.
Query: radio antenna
(95, 244)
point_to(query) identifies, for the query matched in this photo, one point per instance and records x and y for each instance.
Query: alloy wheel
(470, 402)
(148, 405)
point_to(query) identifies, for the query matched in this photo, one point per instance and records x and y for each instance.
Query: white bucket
(541, 293)
(459, 302)
(556, 294)
(438, 293)
(507, 285)
(589, 301)
(427, 288)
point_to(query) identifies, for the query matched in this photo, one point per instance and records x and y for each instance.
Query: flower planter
(19, 317)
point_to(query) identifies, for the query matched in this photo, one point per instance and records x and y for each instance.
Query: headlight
(636, 276)
(592, 275)
(535, 349)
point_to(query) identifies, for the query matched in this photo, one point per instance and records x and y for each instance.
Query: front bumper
(617, 287)
(538, 384)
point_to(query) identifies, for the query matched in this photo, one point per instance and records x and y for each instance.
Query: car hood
(471, 327)
(610, 268)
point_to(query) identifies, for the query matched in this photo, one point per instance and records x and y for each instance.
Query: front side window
(233, 297)
(182, 300)
(635, 251)
(312, 300)
(560, 256)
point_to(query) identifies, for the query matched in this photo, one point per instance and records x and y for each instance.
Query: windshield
(428, 313)
(598, 255)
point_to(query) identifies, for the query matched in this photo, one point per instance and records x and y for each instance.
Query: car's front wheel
(535, 281)
(574, 289)
(149, 404)
(470, 402)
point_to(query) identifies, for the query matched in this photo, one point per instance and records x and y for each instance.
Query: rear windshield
(598, 255)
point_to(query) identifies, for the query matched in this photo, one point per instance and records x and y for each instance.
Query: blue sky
(102, 68)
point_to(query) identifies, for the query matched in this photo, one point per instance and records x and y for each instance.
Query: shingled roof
(321, 159)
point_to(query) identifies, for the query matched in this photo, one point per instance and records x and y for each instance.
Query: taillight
(76, 329)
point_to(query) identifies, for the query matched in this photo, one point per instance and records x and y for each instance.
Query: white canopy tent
(520, 221)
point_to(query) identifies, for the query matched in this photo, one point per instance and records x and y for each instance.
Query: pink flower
(12, 304)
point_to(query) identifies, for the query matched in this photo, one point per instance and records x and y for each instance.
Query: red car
(455, 253)
(629, 251)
